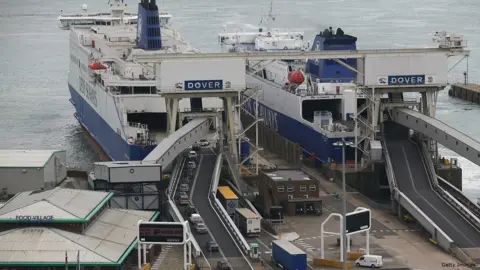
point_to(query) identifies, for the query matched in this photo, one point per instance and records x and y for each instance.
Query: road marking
(196, 177)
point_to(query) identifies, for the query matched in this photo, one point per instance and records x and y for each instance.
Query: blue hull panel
(108, 139)
(310, 140)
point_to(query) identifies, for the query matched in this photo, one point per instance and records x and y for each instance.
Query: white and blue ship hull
(281, 112)
(113, 145)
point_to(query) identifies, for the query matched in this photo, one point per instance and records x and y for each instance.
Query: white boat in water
(115, 98)
(264, 39)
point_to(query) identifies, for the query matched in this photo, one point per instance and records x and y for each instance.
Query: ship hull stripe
(309, 139)
(111, 143)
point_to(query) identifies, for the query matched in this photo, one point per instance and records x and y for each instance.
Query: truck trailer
(288, 256)
(247, 222)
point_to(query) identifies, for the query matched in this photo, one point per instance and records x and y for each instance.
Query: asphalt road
(219, 233)
(413, 181)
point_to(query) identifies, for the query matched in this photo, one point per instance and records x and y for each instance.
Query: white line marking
(196, 177)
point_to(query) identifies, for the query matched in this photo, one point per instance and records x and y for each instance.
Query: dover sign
(406, 80)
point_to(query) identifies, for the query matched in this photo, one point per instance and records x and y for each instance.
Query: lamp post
(344, 144)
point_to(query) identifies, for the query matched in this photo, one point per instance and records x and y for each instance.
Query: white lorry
(247, 222)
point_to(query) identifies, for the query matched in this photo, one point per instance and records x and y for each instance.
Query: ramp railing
(222, 214)
(463, 211)
(173, 209)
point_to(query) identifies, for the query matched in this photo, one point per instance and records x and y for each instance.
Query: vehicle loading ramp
(200, 200)
(412, 180)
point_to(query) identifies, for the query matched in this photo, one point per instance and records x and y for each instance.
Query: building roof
(121, 164)
(62, 203)
(107, 241)
(285, 175)
(25, 158)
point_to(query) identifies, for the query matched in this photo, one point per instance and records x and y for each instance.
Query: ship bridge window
(309, 107)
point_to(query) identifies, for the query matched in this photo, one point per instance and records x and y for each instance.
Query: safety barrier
(222, 213)
(460, 196)
(438, 235)
(173, 209)
(175, 177)
(463, 211)
(331, 263)
(390, 174)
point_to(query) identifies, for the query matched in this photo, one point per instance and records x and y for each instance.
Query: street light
(344, 144)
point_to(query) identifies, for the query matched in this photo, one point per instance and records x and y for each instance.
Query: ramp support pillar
(172, 111)
(229, 113)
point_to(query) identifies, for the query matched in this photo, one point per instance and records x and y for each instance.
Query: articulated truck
(247, 222)
(288, 255)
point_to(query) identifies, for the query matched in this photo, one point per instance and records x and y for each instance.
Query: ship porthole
(132, 170)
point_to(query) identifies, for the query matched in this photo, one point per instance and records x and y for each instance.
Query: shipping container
(288, 255)
(201, 75)
(228, 199)
(247, 222)
(406, 70)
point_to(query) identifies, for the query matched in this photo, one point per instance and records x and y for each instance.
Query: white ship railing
(138, 125)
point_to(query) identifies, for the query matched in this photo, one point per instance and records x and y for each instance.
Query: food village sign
(38, 219)
(163, 233)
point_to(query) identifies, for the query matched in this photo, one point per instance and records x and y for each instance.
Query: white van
(373, 261)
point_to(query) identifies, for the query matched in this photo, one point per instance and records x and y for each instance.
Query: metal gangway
(414, 186)
(172, 146)
(216, 218)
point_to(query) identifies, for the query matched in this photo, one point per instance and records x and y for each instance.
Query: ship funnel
(148, 26)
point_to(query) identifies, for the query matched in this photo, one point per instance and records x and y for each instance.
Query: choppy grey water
(35, 112)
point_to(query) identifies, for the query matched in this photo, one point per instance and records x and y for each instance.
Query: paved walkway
(171, 257)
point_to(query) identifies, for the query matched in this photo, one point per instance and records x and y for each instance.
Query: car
(195, 147)
(223, 265)
(200, 227)
(191, 165)
(184, 200)
(192, 155)
(180, 194)
(204, 142)
(195, 218)
(212, 246)
(189, 210)
(184, 188)
(372, 261)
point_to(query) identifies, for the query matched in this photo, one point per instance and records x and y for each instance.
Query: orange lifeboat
(296, 77)
(96, 66)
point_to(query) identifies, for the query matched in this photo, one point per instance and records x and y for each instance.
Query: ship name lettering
(88, 91)
(269, 116)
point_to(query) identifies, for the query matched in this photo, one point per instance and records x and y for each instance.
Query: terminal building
(63, 228)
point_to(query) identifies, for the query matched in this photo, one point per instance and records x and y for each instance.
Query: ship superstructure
(310, 102)
(116, 99)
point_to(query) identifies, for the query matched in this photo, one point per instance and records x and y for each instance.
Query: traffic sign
(358, 221)
(161, 233)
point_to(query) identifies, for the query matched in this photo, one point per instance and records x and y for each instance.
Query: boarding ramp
(169, 148)
(172, 207)
(209, 169)
(412, 175)
(439, 132)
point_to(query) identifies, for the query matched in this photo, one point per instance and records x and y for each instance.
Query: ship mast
(269, 17)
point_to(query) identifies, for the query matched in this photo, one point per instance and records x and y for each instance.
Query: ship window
(280, 188)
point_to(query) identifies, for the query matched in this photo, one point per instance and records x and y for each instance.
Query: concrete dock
(469, 92)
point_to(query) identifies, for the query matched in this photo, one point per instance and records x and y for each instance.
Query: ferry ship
(309, 102)
(116, 100)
